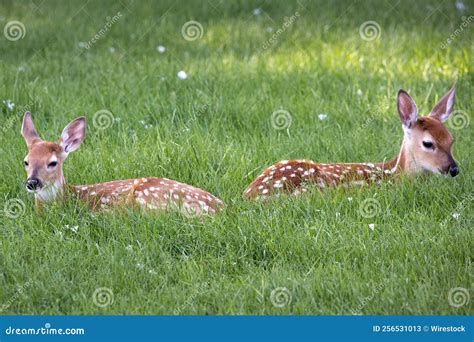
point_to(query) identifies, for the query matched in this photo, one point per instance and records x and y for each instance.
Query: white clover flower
(349, 199)
(160, 49)
(456, 216)
(322, 116)
(9, 104)
(372, 226)
(182, 75)
(112, 49)
(257, 11)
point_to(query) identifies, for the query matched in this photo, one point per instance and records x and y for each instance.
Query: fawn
(45, 178)
(426, 147)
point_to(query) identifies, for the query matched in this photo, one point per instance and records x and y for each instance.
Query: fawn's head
(427, 143)
(44, 160)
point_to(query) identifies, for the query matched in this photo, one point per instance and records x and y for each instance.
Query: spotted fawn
(426, 147)
(45, 179)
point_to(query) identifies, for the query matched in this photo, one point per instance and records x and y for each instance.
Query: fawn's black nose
(33, 184)
(453, 170)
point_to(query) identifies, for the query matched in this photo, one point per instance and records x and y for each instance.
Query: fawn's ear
(73, 135)
(407, 109)
(444, 107)
(28, 130)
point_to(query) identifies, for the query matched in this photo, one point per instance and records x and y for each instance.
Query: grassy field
(315, 254)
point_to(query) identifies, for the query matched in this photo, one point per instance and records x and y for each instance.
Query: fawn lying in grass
(426, 147)
(44, 162)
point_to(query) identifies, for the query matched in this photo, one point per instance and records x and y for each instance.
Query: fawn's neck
(51, 192)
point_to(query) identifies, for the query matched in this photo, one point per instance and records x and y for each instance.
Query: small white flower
(160, 49)
(371, 226)
(338, 214)
(152, 272)
(359, 92)
(460, 5)
(349, 199)
(322, 116)
(9, 104)
(73, 228)
(456, 216)
(112, 49)
(140, 266)
(257, 11)
(182, 75)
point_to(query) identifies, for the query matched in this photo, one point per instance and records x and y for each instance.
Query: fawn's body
(426, 147)
(46, 180)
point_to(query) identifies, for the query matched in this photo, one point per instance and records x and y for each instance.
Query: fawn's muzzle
(33, 184)
(453, 170)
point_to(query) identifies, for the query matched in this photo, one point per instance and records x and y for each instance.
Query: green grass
(214, 131)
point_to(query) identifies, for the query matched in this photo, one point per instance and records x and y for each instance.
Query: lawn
(117, 63)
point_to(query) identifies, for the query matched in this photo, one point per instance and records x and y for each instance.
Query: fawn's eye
(53, 164)
(428, 144)
(25, 162)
